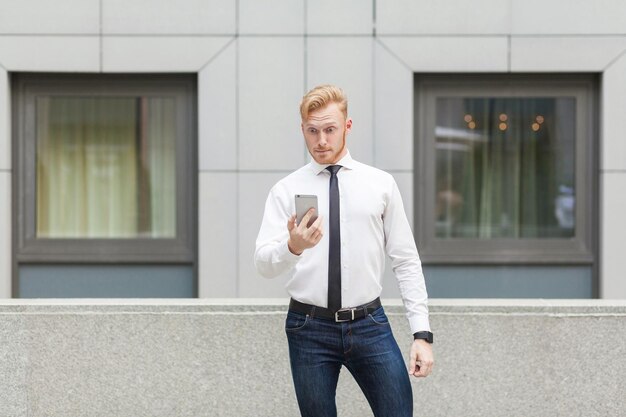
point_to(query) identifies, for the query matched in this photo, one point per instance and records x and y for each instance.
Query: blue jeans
(366, 347)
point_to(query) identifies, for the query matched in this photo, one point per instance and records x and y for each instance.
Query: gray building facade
(250, 62)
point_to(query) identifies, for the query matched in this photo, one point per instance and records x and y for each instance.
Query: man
(336, 265)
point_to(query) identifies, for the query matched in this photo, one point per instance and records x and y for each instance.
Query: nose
(323, 140)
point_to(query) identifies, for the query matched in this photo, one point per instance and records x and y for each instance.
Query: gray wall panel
(104, 281)
(509, 281)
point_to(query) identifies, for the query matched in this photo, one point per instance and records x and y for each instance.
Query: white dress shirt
(373, 222)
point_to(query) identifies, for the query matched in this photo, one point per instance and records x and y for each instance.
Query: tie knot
(333, 169)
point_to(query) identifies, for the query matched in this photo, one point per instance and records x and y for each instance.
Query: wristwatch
(427, 336)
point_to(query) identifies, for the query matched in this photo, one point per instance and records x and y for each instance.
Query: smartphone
(304, 203)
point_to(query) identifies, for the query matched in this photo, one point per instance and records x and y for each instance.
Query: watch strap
(427, 336)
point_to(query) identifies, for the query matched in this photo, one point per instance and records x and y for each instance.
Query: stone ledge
(201, 357)
(233, 305)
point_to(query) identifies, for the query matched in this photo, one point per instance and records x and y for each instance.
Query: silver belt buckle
(337, 320)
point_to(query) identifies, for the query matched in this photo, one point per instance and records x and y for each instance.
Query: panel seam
(217, 54)
(614, 60)
(101, 36)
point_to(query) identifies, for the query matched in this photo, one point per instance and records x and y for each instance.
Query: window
(504, 166)
(105, 169)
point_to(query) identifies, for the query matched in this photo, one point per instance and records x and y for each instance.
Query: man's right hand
(302, 237)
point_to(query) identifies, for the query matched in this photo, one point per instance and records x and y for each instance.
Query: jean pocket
(379, 317)
(295, 322)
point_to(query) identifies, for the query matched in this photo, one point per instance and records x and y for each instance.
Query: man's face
(325, 134)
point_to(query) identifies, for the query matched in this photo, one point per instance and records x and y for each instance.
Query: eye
(312, 130)
(330, 130)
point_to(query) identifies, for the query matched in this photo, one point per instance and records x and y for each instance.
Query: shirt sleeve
(272, 256)
(405, 261)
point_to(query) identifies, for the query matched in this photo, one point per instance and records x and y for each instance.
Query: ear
(348, 125)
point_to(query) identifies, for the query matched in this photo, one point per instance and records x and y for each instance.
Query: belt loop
(313, 312)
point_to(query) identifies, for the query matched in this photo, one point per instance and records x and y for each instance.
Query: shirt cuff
(285, 254)
(419, 324)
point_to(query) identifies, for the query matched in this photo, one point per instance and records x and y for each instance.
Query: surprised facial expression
(325, 132)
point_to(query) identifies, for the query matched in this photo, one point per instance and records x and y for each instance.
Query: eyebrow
(321, 124)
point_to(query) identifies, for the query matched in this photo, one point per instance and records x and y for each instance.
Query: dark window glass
(505, 167)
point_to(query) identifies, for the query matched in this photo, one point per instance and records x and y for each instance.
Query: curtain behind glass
(105, 167)
(505, 168)
(161, 161)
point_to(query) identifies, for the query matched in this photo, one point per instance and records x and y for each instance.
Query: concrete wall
(229, 358)
(254, 65)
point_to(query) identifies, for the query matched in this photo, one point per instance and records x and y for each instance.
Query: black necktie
(334, 242)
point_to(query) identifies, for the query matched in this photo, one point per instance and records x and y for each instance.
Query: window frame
(30, 249)
(577, 250)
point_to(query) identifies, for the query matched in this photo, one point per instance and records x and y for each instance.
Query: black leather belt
(345, 314)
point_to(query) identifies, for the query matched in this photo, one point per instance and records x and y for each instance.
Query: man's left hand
(421, 358)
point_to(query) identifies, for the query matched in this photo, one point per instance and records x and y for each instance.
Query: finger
(412, 364)
(429, 368)
(318, 222)
(311, 233)
(291, 223)
(307, 216)
(418, 369)
(316, 226)
(424, 370)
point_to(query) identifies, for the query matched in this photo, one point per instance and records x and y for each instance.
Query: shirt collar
(346, 162)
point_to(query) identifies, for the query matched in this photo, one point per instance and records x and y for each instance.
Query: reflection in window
(105, 167)
(505, 167)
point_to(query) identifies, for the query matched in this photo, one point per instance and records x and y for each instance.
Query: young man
(335, 268)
